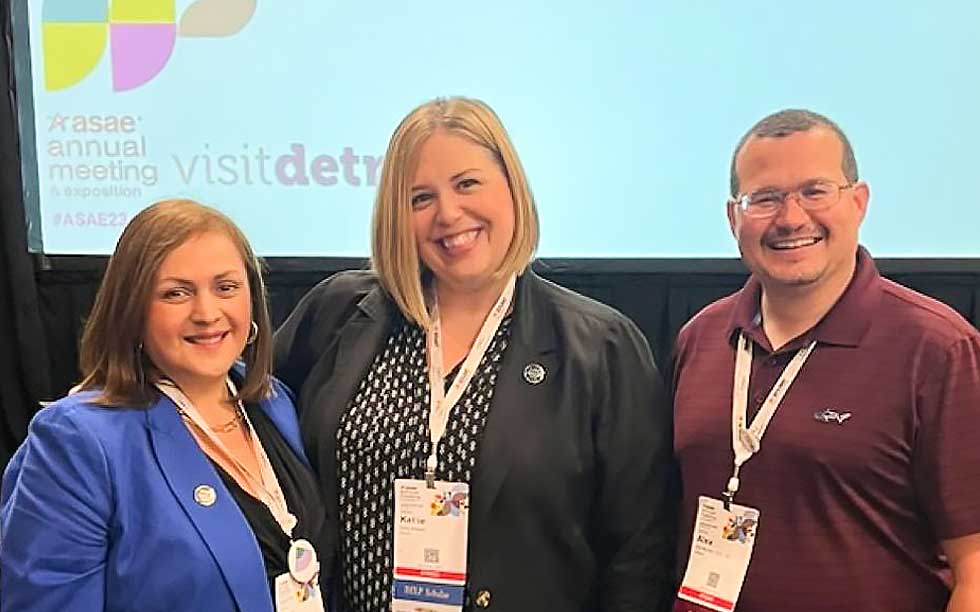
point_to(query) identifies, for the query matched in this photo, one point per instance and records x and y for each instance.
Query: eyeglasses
(812, 196)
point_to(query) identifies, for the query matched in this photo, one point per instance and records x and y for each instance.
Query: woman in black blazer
(556, 416)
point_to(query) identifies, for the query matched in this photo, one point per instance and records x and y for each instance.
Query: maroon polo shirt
(853, 508)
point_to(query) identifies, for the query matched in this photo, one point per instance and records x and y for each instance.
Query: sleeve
(54, 519)
(678, 354)
(946, 462)
(638, 498)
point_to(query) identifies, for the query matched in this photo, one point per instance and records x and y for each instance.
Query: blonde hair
(394, 252)
(111, 356)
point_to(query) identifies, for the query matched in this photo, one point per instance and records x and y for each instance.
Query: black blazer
(570, 504)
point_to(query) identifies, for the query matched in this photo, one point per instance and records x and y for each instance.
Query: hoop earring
(253, 334)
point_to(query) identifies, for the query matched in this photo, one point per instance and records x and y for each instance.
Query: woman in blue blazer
(172, 479)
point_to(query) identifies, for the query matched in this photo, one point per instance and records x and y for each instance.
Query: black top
(570, 508)
(298, 487)
(384, 435)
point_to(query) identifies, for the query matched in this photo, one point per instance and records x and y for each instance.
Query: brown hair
(111, 355)
(790, 121)
(394, 254)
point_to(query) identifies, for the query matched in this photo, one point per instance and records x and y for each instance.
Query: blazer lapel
(222, 526)
(280, 410)
(282, 413)
(532, 348)
(357, 346)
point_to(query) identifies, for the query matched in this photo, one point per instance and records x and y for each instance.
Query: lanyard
(266, 484)
(441, 402)
(746, 441)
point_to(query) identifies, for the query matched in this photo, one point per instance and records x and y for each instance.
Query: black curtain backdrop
(44, 301)
(659, 302)
(24, 363)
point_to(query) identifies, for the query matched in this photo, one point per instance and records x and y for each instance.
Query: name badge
(720, 553)
(430, 546)
(295, 596)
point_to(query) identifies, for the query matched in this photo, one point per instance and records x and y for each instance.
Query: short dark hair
(789, 121)
(111, 355)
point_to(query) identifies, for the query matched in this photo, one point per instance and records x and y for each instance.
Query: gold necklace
(230, 426)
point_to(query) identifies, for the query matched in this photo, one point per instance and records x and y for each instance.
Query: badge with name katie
(430, 546)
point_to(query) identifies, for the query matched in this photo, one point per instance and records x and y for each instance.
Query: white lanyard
(440, 402)
(746, 441)
(266, 484)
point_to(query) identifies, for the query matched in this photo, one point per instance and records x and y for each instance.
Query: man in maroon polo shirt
(867, 478)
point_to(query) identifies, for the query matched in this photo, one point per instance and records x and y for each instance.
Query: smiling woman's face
(199, 315)
(462, 211)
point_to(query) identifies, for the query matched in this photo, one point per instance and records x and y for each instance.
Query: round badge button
(534, 373)
(301, 561)
(205, 495)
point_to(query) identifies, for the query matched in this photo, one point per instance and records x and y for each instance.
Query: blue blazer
(97, 512)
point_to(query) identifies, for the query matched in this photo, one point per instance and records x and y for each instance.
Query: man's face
(796, 247)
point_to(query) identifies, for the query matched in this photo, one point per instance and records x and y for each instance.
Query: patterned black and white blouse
(384, 435)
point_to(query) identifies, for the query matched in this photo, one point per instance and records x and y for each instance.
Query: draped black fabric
(659, 302)
(23, 344)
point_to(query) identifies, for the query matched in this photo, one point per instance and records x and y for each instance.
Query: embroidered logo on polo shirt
(829, 415)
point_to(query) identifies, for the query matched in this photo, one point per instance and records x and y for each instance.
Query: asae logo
(140, 33)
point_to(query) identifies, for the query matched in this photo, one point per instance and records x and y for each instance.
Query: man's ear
(861, 197)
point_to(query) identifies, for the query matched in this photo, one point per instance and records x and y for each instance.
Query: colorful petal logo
(140, 33)
(450, 503)
(303, 559)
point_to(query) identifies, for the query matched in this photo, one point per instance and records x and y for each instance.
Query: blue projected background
(624, 112)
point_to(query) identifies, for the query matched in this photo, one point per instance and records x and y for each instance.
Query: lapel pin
(205, 495)
(534, 373)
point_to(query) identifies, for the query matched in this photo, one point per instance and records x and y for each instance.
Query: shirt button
(759, 398)
(772, 362)
(482, 599)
